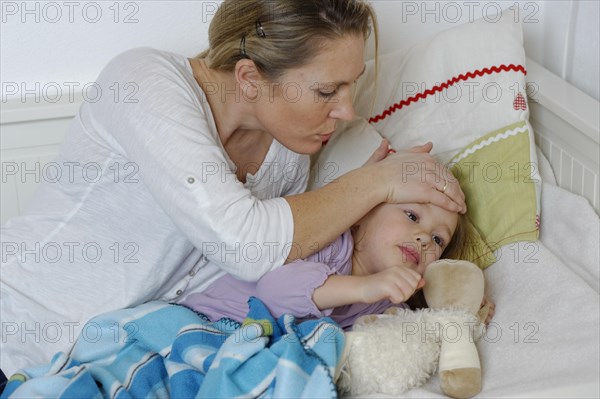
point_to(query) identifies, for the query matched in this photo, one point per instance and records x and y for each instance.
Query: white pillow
(449, 89)
(349, 148)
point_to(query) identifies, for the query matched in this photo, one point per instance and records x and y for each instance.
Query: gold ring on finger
(445, 186)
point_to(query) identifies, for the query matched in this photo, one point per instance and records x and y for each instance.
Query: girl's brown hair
(462, 245)
(282, 34)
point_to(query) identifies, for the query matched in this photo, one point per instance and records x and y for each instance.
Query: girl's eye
(438, 240)
(412, 216)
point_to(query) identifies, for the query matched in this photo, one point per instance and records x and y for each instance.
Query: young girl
(378, 263)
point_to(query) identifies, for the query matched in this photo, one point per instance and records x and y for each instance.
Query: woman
(199, 168)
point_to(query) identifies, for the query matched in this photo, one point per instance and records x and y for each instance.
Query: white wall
(53, 43)
(46, 45)
(562, 36)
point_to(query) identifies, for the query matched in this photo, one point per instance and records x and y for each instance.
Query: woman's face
(305, 104)
(410, 235)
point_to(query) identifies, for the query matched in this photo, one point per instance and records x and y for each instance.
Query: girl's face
(302, 109)
(411, 235)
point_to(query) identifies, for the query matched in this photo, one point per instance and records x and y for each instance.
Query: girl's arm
(314, 286)
(396, 285)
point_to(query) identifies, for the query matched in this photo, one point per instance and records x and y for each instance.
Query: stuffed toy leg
(457, 285)
(399, 350)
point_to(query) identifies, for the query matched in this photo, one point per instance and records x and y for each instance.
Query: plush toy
(402, 348)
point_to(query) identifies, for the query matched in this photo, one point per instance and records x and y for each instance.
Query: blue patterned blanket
(164, 350)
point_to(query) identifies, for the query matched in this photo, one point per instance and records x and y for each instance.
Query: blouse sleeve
(289, 289)
(298, 182)
(155, 115)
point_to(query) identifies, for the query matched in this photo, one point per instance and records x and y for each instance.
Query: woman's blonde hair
(282, 34)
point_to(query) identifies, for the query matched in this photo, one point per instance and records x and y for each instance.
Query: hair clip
(243, 47)
(260, 32)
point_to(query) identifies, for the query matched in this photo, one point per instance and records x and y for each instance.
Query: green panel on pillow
(495, 173)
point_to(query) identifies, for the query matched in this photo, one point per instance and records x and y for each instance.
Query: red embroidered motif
(519, 102)
(450, 82)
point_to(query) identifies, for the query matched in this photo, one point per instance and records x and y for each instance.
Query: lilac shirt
(287, 289)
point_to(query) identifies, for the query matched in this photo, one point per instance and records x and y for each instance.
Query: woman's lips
(325, 137)
(411, 255)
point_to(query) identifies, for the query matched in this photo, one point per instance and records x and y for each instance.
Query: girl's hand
(415, 176)
(396, 284)
(380, 153)
(384, 149)
(488, 309)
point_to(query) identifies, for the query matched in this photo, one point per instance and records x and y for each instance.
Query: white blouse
(147, 206)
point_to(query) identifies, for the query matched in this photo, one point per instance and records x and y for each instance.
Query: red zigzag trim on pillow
(450, 82)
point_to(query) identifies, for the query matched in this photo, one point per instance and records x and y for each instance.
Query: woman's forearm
(322, 215)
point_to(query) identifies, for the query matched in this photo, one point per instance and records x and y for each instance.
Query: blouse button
(192, 273)
(179, 292)
(191, 180)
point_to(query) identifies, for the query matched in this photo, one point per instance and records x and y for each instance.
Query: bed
(544, 340)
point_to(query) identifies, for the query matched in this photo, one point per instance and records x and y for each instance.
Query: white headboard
(566, 123)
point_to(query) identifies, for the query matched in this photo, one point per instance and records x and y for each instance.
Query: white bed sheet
(544, 339)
